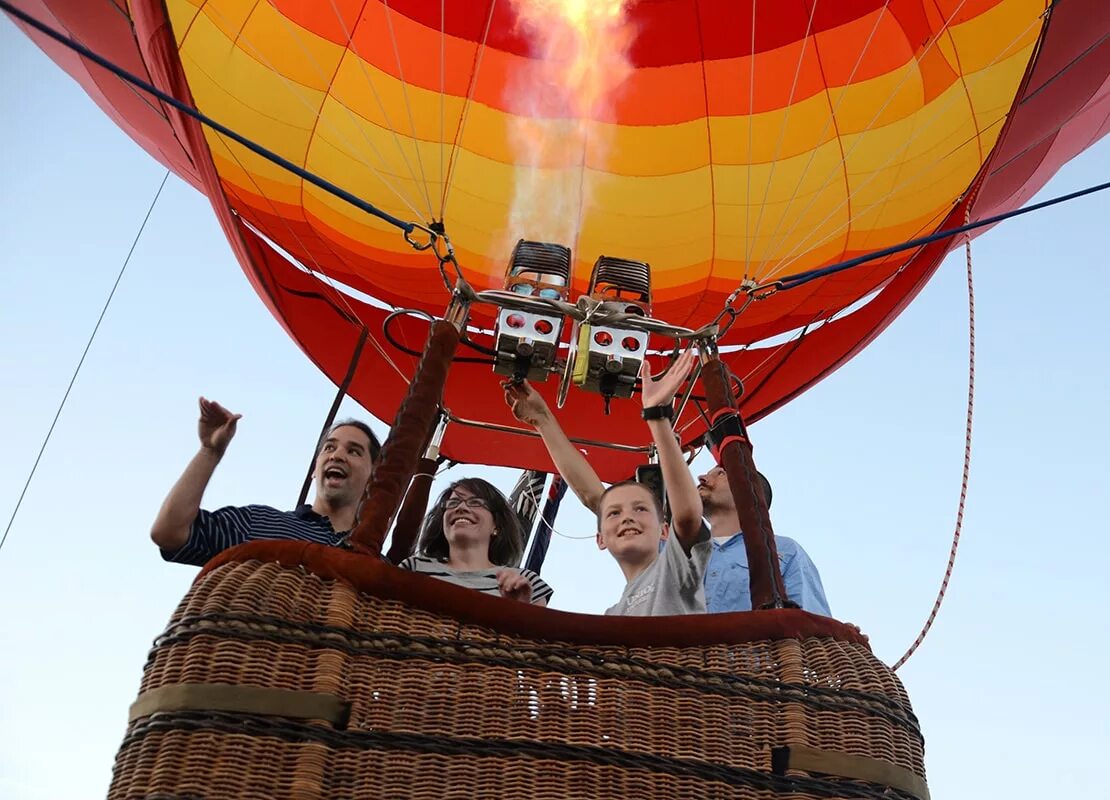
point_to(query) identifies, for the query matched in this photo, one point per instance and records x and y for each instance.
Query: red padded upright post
(735, 455)
(407, 438)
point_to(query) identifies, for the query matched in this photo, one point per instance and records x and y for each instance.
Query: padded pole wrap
(411, 516)
(407, 438)
(735, 455)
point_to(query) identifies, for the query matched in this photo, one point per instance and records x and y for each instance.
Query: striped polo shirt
(215, 531)
(483, 580)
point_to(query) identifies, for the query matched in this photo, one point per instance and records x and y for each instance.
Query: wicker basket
(297, 671)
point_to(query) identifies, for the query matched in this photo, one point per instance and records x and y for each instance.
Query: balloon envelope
(722, 141)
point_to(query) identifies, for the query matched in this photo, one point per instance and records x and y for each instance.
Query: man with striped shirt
(187, 534)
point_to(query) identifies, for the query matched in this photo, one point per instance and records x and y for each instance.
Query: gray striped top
(484, 580)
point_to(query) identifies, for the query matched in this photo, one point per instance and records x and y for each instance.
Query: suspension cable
(967, 457)
(254, 147)
(81, 361)
(799, 278)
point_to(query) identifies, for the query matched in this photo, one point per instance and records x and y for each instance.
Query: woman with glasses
(471, 537)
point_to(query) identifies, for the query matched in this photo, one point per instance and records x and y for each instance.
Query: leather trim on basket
(242, 700)
(845, 765)
(376, 577)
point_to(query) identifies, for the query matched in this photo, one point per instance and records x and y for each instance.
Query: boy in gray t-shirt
(661, 581)
(671, 584)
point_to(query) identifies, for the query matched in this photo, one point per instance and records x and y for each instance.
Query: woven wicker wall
(440, 709)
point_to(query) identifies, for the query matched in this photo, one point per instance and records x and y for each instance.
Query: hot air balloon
(849, 129)
(731, 149)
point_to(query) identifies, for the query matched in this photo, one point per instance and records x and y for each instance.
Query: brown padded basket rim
(373, 576)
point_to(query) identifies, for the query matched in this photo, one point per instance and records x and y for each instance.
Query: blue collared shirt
(728, 587)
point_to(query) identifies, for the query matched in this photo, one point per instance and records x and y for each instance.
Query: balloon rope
(341, 392)
(442, 95)
(299, 91)
(542, 540)
(803, 244)
(464, 115)
(751, 136)
(773, 240)
(792, 281)
(547, 525)
(781, 139)
(81, 361)
(408, 104)
(349, 33)
(318, 273)
(967, 454)
(254, 147)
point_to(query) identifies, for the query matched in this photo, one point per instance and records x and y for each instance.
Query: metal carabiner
(418, 245)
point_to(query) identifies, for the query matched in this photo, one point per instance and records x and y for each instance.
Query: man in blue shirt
(727, 586)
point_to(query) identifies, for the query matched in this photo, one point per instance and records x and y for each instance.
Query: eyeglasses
(469, 502)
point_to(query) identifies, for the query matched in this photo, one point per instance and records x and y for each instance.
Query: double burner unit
(603, 357)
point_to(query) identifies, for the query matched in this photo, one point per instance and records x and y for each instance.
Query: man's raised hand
(216, 427)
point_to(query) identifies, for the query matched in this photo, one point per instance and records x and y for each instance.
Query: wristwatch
(658, 412)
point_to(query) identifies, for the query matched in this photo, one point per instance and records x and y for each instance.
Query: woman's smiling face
(466, 517)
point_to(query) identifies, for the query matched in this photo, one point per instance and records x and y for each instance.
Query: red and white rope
(967, 451)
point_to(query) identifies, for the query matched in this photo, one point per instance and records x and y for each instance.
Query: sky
(866, 466)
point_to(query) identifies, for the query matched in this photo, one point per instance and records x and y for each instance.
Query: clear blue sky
(866, 466)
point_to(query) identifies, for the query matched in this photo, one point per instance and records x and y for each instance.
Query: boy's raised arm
(682, 492)
(530, 408)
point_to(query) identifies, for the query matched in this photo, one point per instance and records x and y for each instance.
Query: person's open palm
(662, 391)
(216, 427)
